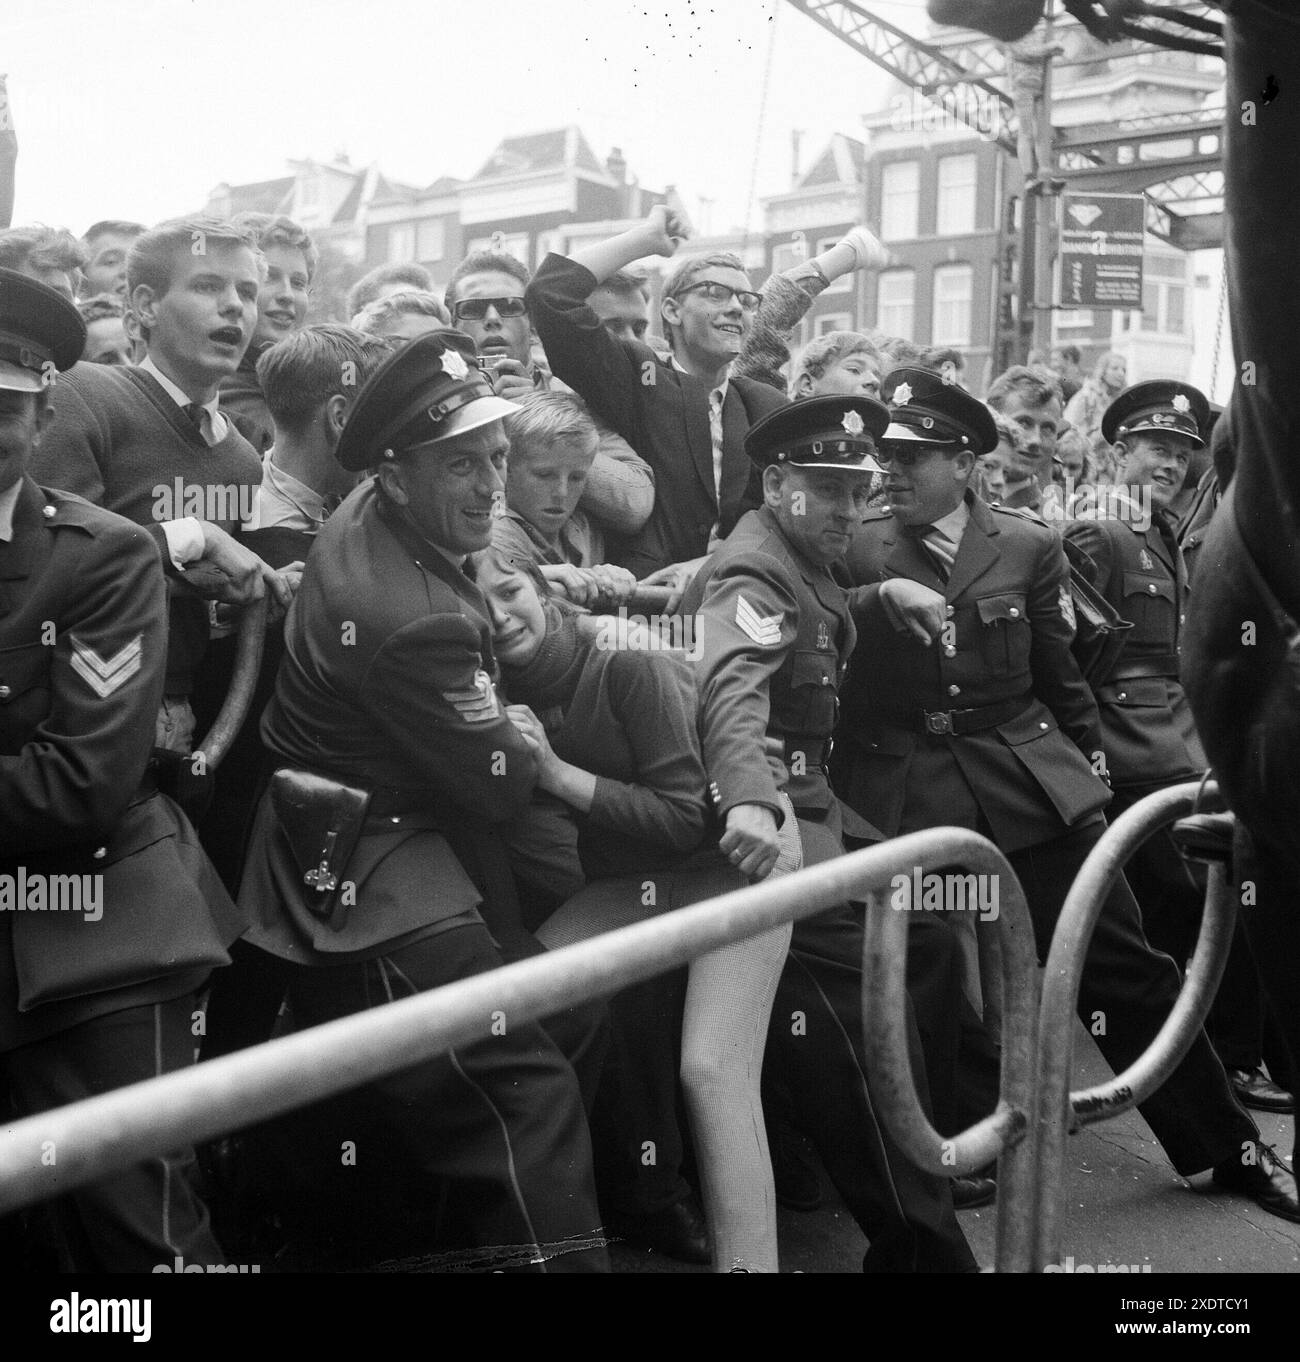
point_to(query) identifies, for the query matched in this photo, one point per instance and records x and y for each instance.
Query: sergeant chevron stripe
(106, 676)
(765, 630)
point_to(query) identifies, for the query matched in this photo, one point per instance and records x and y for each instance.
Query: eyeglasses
(475, 309)
(720, 293)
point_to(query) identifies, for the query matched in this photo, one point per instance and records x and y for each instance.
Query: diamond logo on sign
(1085, 214)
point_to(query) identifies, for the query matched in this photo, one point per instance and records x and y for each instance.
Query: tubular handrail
(56, 1151)
(998, 1136)
(1061, 1112)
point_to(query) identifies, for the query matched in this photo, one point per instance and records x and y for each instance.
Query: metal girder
(926, 68)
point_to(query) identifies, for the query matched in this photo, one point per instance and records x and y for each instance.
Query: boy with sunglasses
(685, 415)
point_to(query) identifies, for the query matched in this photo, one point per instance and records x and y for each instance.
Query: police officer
(374, 867)
(1132, 540)
(111, 918)
(774, 630)
(964, 705)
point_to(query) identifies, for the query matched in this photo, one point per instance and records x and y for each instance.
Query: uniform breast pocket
(24, 693)
(1004, 631)
(812, 693)
(1149, 601)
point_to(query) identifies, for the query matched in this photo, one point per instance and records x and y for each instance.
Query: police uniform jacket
(1026, 726)
(1147, 725)
(83, 647)
(388, 684)
(660, 411)
(772, 631)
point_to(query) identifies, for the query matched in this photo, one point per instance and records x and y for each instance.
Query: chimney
(796, 135)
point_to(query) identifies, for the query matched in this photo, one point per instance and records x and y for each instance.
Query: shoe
(795, 1176)
(1255, 1089)
(1266, 1180)
(974, 1190)
(678, 1230)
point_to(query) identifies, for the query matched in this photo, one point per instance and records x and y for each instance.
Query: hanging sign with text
(1101, 250)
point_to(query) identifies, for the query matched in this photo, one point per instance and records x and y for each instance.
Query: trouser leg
(1128, 990)
(815, 1047)
(145, 1216)
(486, 1144)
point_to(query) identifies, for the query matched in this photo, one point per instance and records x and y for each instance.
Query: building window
(900, 197)
(401, 243)
(787, 254)
(1164, 294)
(952, 295)
(895, 307)
(832, 321)
(956, 203)
(844, 283)
(1074, 319)
(430, 239)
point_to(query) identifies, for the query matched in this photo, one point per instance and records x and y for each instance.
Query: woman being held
(616, 736)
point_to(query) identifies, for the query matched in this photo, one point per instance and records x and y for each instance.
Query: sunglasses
(720, 293)
(475, 309)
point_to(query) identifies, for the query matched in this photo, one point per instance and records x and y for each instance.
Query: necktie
(196, 413)
(942, 551)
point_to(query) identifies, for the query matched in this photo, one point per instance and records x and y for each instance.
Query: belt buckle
(938, 721)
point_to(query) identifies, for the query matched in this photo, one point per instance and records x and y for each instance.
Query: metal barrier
(1038, 1038)
(56, 1151)
(59, 1150)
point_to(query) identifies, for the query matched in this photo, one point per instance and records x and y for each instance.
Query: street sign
(1101, 250)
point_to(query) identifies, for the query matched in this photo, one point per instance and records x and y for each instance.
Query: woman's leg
(724, 1030)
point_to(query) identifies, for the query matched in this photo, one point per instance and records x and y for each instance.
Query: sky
(138, 108)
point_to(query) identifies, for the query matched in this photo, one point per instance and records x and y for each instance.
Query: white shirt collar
(177, 395)
(8, 504)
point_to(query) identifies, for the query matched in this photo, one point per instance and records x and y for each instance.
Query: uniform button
(1123, 695)
(99, 853)
(395, 818)
(950, 651)
(5, 692)
(1043, 726)
(954, 690)
(950, 611)
(49, 512)
(1151, 587)
(1014, 612)
(826, 680)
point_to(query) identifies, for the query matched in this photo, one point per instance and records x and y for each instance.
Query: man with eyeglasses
(964, 706)
(486, 296)
(683, 414)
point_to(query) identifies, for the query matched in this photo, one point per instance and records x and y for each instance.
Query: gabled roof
(264, 196)
(555, 149)
(841, 162)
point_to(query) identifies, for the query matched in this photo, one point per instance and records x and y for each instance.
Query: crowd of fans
(624, 454)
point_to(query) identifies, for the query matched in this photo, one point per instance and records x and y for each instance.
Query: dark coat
(388, 683)
(1147, 725)
(1032, 775)
(660, 411)
(83, 646)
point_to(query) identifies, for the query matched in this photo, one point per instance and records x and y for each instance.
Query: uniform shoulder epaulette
(66, 508)
(878, 513)
(1021, 513)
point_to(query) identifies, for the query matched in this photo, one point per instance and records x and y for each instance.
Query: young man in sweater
(151, 443)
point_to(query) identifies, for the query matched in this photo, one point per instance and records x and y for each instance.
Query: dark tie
(942, 551)
(194, 410)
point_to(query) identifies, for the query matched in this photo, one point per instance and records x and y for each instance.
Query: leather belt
(954, 722)
(1138, 667)
(816, 751)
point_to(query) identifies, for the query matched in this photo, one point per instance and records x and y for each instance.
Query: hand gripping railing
(59, 1150)
(1060, 1114)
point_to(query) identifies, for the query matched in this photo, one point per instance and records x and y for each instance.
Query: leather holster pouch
(322, 820)
(1099, 629)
